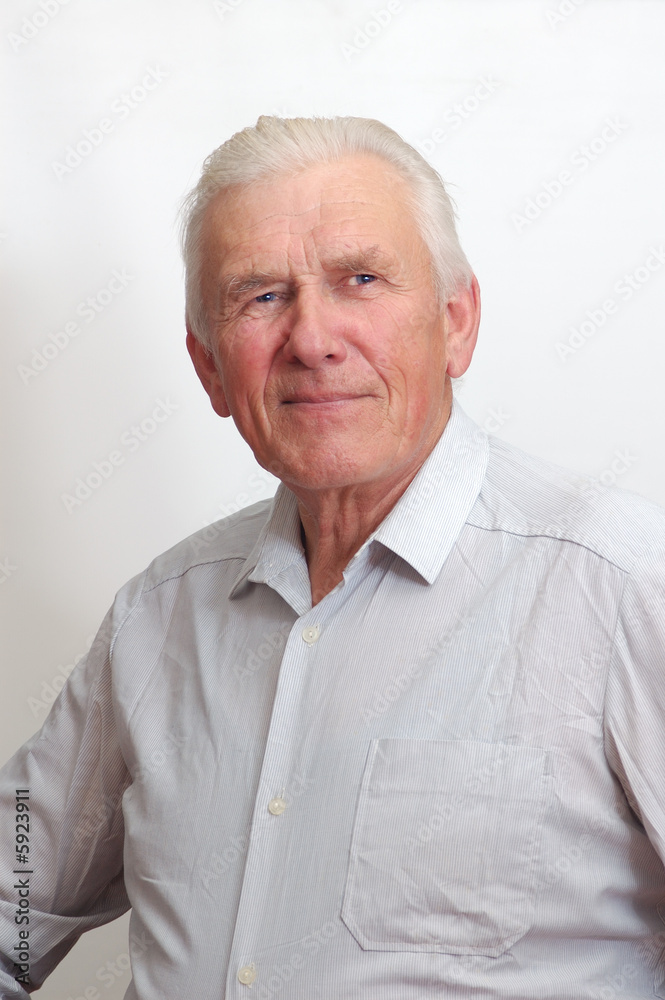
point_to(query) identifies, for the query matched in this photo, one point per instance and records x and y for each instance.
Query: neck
(337, 522)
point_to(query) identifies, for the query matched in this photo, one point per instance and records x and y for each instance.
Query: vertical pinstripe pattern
(444, 780)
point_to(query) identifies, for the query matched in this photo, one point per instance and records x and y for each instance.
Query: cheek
(386, 334)
(244, 361)
(410, 341)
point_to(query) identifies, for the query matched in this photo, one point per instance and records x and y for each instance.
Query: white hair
(277, 146)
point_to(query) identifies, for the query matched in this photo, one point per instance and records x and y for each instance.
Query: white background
(552, 84)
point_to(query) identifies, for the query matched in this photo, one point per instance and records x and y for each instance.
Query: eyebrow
(357, 261)
(233, 286)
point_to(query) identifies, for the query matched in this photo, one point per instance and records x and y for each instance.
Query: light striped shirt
(446, 779)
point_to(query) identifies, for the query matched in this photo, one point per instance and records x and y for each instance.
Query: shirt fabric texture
(445, 779)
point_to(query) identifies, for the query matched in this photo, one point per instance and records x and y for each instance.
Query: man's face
(330, 346)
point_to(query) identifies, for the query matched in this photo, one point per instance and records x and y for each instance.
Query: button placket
(277, 764)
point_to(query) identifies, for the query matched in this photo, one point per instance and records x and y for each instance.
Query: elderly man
(399, 732)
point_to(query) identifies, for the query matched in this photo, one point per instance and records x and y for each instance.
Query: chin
(328, 475)
(328, 462)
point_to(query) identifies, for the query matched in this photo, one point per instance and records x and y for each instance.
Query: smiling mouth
(317, 400)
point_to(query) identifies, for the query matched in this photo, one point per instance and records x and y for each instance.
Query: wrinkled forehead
(342, 205)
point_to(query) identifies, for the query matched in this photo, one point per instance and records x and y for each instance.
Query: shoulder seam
(129, 612)
(556, 538)
(190, 566)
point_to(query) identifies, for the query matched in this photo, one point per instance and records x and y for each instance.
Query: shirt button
(247, 975)
(277, 806)
(311, 634)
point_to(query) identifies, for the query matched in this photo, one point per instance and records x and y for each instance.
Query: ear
(206, 369)
(462, 321)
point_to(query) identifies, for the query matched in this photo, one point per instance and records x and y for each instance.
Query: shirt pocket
(445, 847)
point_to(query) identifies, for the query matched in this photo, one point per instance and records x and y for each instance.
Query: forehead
(346, 205)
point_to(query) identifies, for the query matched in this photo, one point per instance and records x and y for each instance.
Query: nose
(314, 333)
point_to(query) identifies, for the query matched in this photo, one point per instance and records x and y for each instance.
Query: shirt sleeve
(635, 703)
(75, 775)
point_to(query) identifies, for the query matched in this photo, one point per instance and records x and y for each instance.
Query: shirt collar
(426, 521)
(421, 528)
(278, 546)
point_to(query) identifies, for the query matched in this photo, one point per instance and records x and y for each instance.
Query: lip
(321, 400)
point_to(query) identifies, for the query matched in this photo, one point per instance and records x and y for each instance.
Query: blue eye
(364, 279)
(266, 297)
